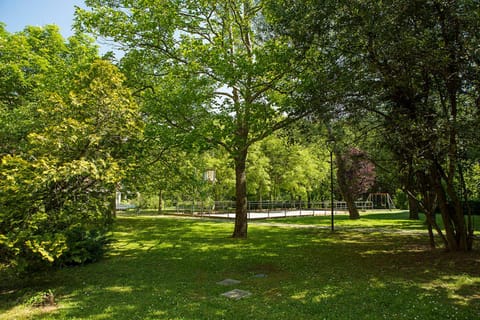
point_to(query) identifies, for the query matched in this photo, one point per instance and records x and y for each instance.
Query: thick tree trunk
(241, 223)
(343, 185)
(413, 208)
(352, 208)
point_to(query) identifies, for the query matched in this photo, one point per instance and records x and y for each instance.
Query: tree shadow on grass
(169, 269)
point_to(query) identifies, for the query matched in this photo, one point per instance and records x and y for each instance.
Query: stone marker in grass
(236, 294)
(228, 282)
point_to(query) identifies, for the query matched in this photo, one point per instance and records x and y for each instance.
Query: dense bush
(51, 215)
(400, 199)
(63, 158)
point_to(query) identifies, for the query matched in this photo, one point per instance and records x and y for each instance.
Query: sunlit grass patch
(386, 219)
(383, 218)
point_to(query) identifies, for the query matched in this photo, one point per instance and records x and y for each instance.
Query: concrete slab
(237, 294)
(228, 282)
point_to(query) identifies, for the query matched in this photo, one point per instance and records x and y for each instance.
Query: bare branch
(225, 94)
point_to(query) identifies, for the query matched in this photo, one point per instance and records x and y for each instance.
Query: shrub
(53, 214)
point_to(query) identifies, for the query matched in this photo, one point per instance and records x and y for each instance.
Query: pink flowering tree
(355, 175)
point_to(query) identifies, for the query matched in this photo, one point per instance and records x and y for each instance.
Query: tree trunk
(430, 234)
(450, 204)
(452, 213)
(429, 206)
(112, 212)
(343, 185)
(413, 208)
(409, 183)
(160, 200)
(352, 207)
(241, 223)
(260, 199)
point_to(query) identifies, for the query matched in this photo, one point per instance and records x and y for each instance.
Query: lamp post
(330, 147)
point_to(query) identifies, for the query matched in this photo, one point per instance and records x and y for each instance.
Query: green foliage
(207, 72)
(400, 199)
(290, 170)
(86, 246)
(58, 174)
(412, 66)
(472, 181)
(41, 299)
(276, 170)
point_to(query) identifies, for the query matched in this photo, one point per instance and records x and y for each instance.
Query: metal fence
(226, 207)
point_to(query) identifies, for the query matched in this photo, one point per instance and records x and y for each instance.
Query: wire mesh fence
(263, 209)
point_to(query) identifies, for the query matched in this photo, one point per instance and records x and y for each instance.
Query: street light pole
(331, 187)
(331, 147)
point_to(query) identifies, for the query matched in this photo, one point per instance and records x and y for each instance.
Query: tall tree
(61, 162)
(414, 65)
(419, 57)
(426, 68)
(214, 75)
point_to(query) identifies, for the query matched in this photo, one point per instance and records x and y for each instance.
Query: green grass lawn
(167, 268)
(388, 219)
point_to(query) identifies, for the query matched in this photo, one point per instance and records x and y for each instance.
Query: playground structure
(381, 200)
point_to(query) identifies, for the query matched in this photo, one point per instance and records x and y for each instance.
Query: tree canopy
(208, 71)
(211, 85)
(414, 66)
